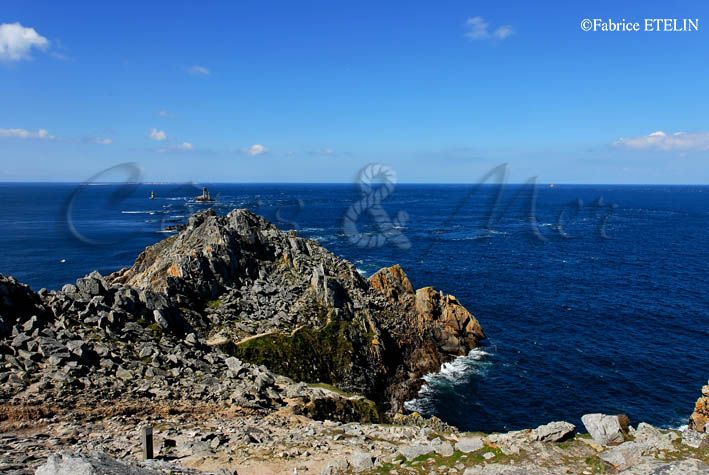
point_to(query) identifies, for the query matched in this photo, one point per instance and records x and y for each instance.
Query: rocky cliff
(231, 295)
(273, 298)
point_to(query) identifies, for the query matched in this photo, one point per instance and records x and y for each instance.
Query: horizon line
(30, 182)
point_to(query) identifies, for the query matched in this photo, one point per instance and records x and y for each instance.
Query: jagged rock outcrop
(699, 420)
(428, 328)
(232, 309)
(275, 299)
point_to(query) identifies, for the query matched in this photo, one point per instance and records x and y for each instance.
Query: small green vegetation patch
(312, 355)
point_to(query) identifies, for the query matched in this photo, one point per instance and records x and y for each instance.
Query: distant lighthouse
(204, 197)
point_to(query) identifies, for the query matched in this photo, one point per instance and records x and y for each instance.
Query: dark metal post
(147, 437)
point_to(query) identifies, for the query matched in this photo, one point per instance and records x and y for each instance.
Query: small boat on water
(205, 197)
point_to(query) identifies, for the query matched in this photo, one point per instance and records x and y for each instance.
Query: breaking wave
(451, 374)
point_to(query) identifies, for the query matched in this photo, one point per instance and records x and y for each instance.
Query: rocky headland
(251, 350)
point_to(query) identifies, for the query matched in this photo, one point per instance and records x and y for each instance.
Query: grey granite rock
(98, 464)
(624, 455)
(469, 444)
(554, 432)
(360, 461)
(678, 467)
(410, 452)
(604, 429)
(695, 439)
(335, 467)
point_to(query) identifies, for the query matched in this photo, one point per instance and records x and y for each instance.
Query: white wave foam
(138, 212)
(451, 373)
(454, 370)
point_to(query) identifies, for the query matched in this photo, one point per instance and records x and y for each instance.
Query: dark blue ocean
(594, 298)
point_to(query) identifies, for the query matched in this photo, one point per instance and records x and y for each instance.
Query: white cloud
(40, 134)
(678, 141)
(158, 135)
(16, 42)
(479, 29)
(43, 134)
(164, 113)
(183, 147)
(199, 70)
(325, 152)
(503, 32)
(256, 149)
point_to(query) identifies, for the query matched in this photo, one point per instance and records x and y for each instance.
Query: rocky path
(207, 438)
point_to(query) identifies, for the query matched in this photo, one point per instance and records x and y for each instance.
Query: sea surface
(594, 298)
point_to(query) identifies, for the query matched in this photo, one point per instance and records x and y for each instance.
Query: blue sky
(312, 91)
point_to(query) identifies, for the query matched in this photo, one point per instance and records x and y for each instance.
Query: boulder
(624, 455)
(360, 461)
(605, 429)
(653, 438)
(511, 443)
(410, 452)
(442, 447)
(554, 432)
(97, 464)
(92, 285)
(694, 439)
(335, 467)
(161, 319)
(469, 444)
(234, 364)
